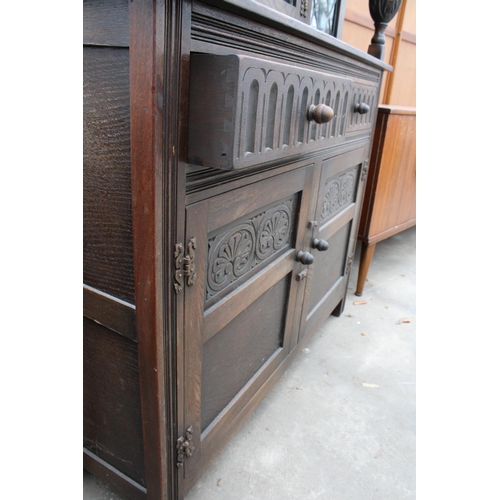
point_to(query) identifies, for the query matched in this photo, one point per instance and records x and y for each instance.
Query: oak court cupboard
(226, 148)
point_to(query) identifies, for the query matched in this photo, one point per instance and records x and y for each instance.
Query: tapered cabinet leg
(364, 264)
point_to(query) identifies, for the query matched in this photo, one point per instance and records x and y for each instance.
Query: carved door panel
(240, 311)
(334, 237)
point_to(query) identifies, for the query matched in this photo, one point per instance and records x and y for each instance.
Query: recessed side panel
(107, 196)
(112, 426)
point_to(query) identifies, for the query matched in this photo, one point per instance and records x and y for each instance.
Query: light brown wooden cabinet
(241, 202)
(389, 205)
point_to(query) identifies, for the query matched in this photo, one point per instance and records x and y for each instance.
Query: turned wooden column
(382, 13)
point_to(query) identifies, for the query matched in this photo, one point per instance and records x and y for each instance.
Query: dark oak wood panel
(111, 400)
(239, 350)
(113, 313)
(246, 110)
(157, 49)
(337, 213)
(119, 481)
(108, 263)
(253, 27)
(252, 226)
(256, 240)
(202, 284)
(224, 210)
(106, 22)
(203, 182)
(330, 264)
(218, 316)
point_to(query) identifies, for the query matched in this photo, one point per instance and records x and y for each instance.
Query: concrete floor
(340, 424)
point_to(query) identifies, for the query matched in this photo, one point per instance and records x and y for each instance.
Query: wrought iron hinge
(178, 256)
(184, 264)
(185, 446)
(364, 170)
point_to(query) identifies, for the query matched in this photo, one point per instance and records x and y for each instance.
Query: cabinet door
(240, 311)
(333, 238)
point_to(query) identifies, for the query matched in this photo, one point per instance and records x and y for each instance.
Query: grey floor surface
(340, 423)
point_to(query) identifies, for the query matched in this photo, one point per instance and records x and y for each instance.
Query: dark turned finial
(382, 12)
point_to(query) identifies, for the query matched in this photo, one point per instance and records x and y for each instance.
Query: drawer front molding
(363, 122)
(245, 111)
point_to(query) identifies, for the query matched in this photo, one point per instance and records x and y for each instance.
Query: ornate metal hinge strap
(185, 447)
(178, 256)
(184, 265)
(189, 271)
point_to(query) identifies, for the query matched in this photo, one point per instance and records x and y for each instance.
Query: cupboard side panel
(106, 22)
(111, 400)
(107, 212)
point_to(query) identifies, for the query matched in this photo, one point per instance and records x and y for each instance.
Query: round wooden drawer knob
(305, 258)
(320, 113)
(320, 245)
(361, 108)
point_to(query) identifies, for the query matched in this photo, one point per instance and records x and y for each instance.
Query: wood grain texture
(329, 266)
(119, 481)
(113, 313)
(287, 27)
(245, 110)
(156, 34)
(251, 243)
(111, 401)
(227, 33)
(218, 316)
(107, 211)
(194, 297)
(404, 77)
(106, 22)
(390, 198)
(389, 204)
(177, 363)
(365, 261)
(238, 203)
(236, 353)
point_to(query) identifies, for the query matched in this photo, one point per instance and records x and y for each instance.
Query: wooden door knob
(320, 245)
(305, 257)
(361, 108)
(320, 113)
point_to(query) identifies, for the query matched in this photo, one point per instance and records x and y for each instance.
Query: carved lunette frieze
(236, 251)
(367, 95)
(258, 110)
(340, 191)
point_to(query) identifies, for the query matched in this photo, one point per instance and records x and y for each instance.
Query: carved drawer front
(362, 110)
(244, 111)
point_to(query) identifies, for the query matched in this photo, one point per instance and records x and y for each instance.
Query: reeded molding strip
(305, 34)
